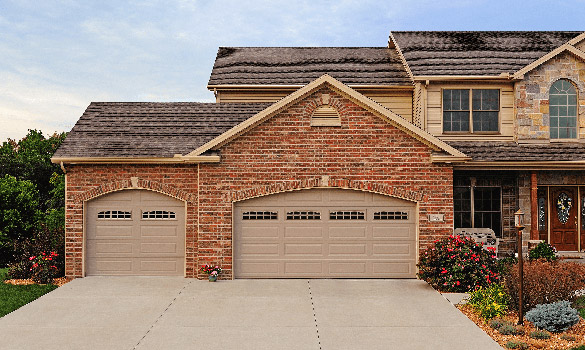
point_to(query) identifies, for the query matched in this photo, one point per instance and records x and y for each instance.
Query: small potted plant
(211, 271)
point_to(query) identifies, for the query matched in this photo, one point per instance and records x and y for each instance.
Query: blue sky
(58, 56)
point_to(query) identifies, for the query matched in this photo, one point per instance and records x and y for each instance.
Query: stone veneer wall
(531, 96)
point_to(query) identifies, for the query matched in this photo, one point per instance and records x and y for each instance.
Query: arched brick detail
(326, 182)
(135, 184)
(333, 100)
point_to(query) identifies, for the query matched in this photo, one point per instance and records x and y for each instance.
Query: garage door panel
(259, 249)
(263, 269)
(349, 234)
(303, 232)
(159, 231)
(305, 268)
(159, 248)
(260, 232)
(347, 268)
(102, 248)
(355, 249)
(113, 232)
(306, 249)
(136, 244)
(401, 250)
(393, 232)
(356, 197)
(398, 268)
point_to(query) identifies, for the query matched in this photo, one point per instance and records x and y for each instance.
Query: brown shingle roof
(301, 65)
(475, 53)
(511, 151)
(148, 129)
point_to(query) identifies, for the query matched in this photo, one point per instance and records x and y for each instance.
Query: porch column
(533, 206)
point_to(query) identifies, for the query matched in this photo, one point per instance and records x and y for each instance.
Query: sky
(58, 56)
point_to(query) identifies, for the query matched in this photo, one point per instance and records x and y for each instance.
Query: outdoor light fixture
(519, 223)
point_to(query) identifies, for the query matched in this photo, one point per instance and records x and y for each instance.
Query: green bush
(556, 317)
(490, 302)
(540, 334)
(545, 282)
(568, 337)
(497, 323)
(514, 344)
(543, 251)
(458, 264)
(510, 329)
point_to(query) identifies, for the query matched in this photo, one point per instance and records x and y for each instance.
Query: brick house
(335, 162)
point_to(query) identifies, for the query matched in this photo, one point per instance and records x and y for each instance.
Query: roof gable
(568, 47)
(451, 153)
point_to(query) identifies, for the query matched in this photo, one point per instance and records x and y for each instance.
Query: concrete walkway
(177, 313)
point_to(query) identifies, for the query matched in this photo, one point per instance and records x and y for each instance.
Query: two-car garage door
(325, 233)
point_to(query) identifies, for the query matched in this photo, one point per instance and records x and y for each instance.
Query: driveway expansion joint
(161, 315)
(314, 314)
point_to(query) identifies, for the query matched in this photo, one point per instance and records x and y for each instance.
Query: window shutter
(325, 116)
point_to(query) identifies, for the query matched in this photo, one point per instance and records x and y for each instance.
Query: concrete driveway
(177, 313)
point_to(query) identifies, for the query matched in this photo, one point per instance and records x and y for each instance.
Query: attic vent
(325, 116)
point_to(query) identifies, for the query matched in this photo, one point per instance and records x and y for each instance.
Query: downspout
(63, 168)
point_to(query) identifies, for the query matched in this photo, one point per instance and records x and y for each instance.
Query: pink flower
(31, 258)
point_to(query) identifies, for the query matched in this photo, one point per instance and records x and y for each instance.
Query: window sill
(576, 140)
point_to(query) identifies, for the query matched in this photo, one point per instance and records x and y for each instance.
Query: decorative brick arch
(135, 183)
(326, 99)
(326, 182)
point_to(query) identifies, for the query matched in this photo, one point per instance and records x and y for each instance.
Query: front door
(564, 208)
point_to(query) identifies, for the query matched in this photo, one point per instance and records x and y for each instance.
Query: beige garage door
(135, 232)
(325, 233)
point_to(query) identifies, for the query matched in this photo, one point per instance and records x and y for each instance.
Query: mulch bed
(18, 282)
(555, 342)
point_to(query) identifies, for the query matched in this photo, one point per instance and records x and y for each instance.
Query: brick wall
(531, 96)
(286, 153)
(283, 153)
(85, 182)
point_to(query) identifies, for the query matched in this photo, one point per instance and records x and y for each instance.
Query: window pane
(455, 121)
(486, 99)
(485, 121)
(462, 207)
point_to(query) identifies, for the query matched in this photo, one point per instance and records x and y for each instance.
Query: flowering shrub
(211, 270)
(458, 264)
(43, 267)
(490, 302)
(543, 251)
(545, 282)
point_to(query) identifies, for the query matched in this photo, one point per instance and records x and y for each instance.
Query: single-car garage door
(135, 232)
(325, 233)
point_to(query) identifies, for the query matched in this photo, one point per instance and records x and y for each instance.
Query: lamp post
(519, 223)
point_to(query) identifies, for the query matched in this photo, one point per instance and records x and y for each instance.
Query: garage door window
(390, 215)
(303, 215)
(260, 215)
(158, 215)
(114, 215)
(347, 215)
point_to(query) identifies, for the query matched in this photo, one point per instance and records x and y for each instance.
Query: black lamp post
(519, 223)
